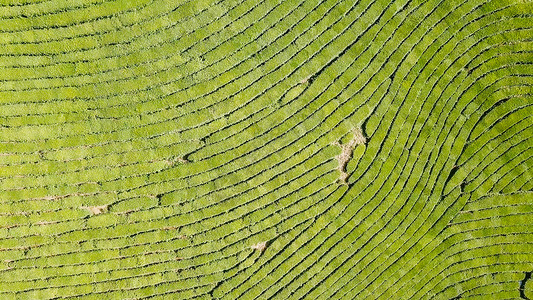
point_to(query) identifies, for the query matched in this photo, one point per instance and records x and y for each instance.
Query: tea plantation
(266, 149)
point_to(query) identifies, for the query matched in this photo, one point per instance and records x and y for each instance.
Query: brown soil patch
(41, 223)
(347, 151)
(260, 246)
(305, 80)
(182, 160)
(96, 210)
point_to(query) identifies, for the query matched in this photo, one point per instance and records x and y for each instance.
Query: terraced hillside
(266, 149)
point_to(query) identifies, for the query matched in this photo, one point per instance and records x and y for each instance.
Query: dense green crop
(258, 149)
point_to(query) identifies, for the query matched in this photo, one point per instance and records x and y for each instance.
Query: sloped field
(259, 149)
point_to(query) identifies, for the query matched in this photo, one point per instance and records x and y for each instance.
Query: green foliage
(266, 149)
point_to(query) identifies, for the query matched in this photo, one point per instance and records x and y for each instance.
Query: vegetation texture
(258, 149)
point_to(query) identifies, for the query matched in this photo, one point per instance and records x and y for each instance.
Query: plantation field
(266, 149)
